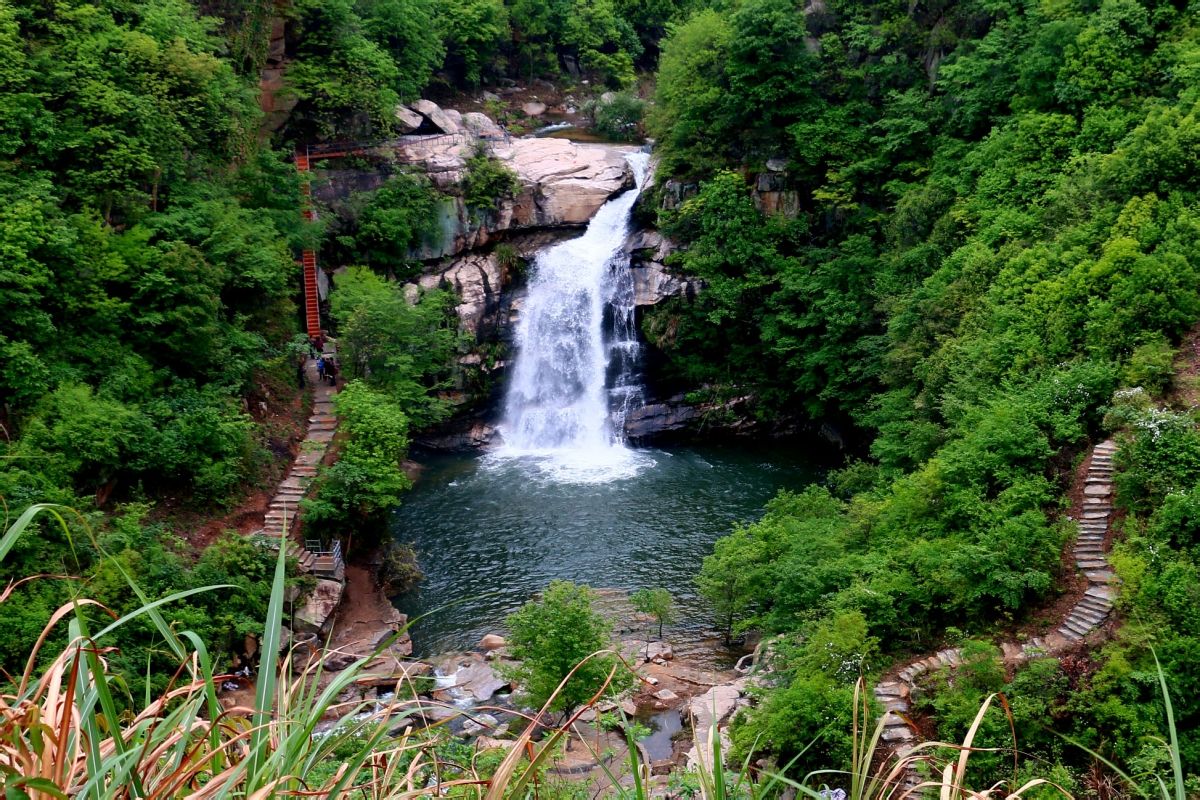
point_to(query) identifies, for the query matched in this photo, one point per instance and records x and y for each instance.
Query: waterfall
(575, 373)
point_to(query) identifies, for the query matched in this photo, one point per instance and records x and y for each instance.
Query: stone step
(1100, 576)
(1098, 606)
(1068, 634)
(950, 657)
(1078, 626)
(1089, 615)
(1105, 593)
(902, 734)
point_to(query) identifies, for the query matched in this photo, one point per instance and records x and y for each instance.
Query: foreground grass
(67, 730)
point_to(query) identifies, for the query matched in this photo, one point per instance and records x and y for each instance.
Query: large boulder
(567, 182)
(481, 125)
(476, 280)
(562, 183)
(440, 119)
(470, 676)
(715, 706)
(492, 641)
(652, 284)
(316, 613)
(407, 120)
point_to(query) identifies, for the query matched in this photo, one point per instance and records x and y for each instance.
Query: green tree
(403, 29)
(473, 32)
(368, 480)
(393, 223)
(657, 603)
(399, 347)
(553, 635)
(487, 181)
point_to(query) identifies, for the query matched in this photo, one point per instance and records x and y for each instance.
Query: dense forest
(994, 246)
(982, 255)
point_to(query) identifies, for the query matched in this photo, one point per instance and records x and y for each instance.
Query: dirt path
(1091, 509)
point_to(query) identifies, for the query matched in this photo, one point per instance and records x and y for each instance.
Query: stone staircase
(281, 522)
(1089, 553)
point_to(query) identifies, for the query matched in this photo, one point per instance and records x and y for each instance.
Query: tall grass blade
(264, 695)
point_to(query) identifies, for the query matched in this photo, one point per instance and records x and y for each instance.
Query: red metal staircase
(312, 308)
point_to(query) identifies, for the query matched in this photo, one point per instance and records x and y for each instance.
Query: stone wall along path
(1090, 554)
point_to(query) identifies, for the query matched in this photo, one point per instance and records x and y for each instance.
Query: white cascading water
(575, 374)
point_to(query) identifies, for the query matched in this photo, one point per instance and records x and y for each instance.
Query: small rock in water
(534, 109)
(666, 695)
(492, 641)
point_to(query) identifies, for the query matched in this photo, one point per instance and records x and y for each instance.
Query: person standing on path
(331, 371)
(321, 368)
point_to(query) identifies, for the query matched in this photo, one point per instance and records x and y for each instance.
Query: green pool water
(491, 531)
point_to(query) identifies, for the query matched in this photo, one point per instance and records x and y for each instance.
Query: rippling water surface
(491, 531)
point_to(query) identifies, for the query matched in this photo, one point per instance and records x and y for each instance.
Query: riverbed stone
(478, 723)
(666, 696)
(714, 706)
(492, 641)
(480, 680)
(317, 609)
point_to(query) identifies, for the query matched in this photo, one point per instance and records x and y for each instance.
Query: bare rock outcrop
(563, 183)
(653, 281)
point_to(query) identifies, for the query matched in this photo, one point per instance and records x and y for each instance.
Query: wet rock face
(653, 281)
(658, 419)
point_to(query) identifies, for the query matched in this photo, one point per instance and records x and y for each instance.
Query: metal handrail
(342, 149)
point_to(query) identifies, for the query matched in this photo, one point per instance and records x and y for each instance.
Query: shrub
(487, 182)
(619, 117)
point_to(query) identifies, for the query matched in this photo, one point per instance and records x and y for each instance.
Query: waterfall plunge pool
(491, 531)
(563, 498)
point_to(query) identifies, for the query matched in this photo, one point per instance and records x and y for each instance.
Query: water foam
(574, 377)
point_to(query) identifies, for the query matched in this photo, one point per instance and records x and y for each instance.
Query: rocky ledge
(563, 183)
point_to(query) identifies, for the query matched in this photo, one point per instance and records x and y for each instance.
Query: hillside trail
(282, 518)
(1092, 510)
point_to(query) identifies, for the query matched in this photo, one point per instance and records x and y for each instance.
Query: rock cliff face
(653, 281)
(563, 183)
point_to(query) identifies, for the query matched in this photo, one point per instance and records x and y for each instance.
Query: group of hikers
(327, 369)
(327, 366)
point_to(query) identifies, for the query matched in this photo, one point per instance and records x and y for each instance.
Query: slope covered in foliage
(995, 227)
